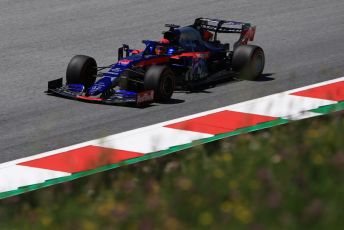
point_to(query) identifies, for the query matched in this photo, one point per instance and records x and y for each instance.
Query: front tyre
(162, 80)
(248, 61)
(81, 70)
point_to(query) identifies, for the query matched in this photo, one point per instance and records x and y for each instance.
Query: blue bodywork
(111, 77)
(187, 54)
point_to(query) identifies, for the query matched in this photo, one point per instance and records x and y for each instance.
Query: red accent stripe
(124, 61)
(221, 122)
(136, 51)
(89, 98)
(81, 159)
(153, 61)
(334, 92)
(204, 55)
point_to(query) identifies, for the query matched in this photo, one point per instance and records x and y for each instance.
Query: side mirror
(124, 48)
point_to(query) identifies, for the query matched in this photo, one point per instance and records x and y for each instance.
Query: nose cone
(100, 86)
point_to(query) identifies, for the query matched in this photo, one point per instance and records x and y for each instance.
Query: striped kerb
(334, 92)
(81, 159)
(221, 122)
(157, 140)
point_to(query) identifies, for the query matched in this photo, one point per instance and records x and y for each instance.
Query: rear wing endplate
(246, 30)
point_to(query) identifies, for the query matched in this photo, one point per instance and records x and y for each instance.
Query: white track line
(281, 105)
(16, 176)
(158, 139)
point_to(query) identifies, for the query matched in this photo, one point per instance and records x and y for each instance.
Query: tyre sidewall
(81, 70)
(248, 61)
(160, 79)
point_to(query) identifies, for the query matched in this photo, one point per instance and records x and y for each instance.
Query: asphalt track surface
(302, 39)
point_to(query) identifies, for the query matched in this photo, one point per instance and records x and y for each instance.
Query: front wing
(57, 88)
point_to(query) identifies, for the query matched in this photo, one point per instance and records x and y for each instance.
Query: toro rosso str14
(185, 57)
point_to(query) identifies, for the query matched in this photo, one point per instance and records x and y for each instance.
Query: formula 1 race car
(184, 58)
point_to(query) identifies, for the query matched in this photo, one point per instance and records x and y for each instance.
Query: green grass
(286, 177)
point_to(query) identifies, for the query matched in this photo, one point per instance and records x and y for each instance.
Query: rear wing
(246, 30)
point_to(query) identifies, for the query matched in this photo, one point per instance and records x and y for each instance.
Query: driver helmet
(160, 50)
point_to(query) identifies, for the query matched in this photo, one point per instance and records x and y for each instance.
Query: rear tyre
(81, 70)
(162, 80)
(248, 61)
